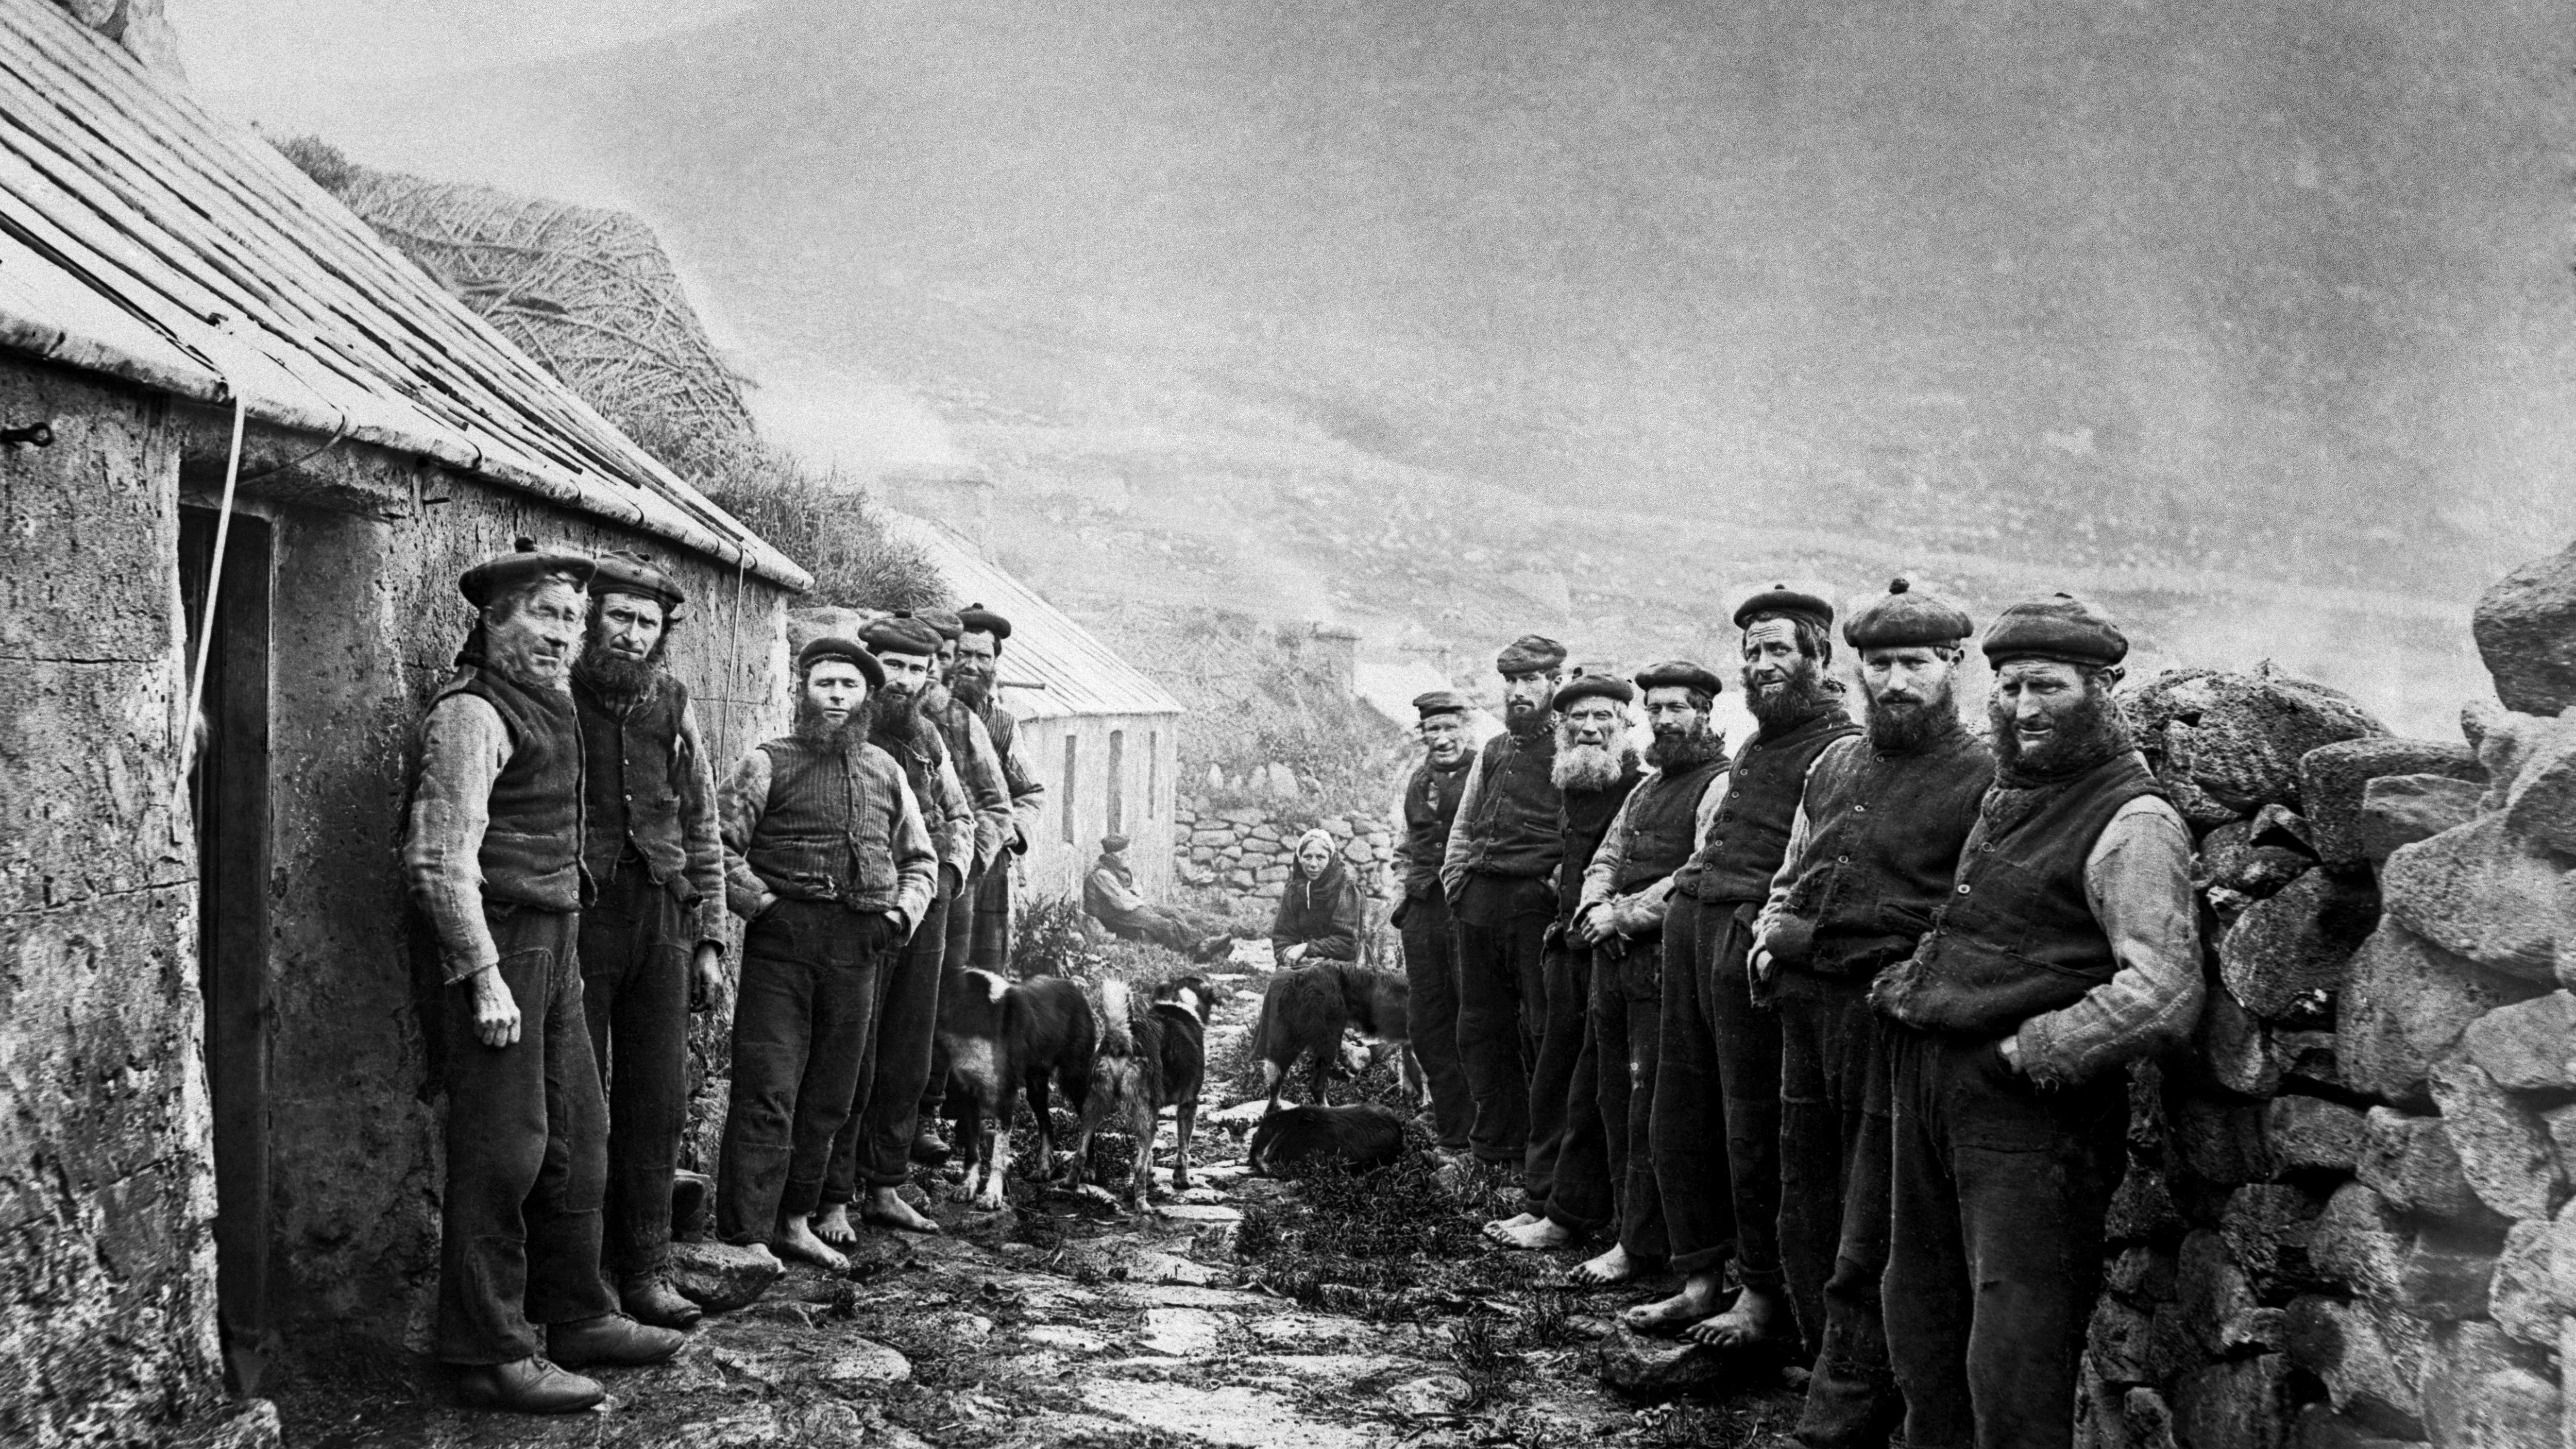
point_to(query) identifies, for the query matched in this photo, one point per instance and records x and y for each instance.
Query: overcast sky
(250, 48)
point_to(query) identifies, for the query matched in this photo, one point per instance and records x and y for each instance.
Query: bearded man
(494, 859)
(1626, 896)
(876, 1139)
(827, 857)
(2066, 947)
(982, 632)
(1423, 819)
(1716, 1128)
(1498, 876)
(652, 944)
(1566, 1171)
(980, 769)
(1871, 852)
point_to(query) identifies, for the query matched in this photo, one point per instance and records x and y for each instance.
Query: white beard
(1587, 767)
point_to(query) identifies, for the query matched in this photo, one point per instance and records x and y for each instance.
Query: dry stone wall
(1249, 851)
(2347, 1218)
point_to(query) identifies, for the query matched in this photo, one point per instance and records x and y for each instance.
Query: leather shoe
(929, 1147)
(655, 1302)
(611, 1338)
(526, 1386)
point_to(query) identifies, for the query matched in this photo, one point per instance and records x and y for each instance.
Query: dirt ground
(1334, 1313)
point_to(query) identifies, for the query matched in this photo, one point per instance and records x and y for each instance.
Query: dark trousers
(1627, 1013)
(1567, 1169)
(991, 920)
(962, 919)
(1693, 1164)
(1834, 1144)
(1995, 1247)
(527, 1153)
(1171, 927)
(875, 1141)
(801, 1020)
(635, 948)
(1502, 930)
(1431, 1012)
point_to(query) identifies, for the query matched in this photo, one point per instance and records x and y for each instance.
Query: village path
(1068, 1322)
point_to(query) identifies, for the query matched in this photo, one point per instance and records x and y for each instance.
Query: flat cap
(625, 572)
(1113, 844)
(1438, 701)
(980, 620)
(900, 633)
(1680, 674)
(832, 646)
(1902, 618)
(1529, 654)
(1593, 686)
(943, 620)
(505, 571)
(2060, 627)
(1782, 599)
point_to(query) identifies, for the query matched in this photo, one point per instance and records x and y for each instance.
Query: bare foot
(796, 1240)
(832, 1225)
(1534, 1235)
(1611, 1267)
(1516, 1220)
(1745, 1322)
(887, 1210)
(1698, 1299)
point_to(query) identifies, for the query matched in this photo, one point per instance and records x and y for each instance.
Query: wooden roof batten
(143, 238)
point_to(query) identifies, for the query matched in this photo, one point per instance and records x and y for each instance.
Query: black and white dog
(1304, 1012)
(1148, 1060)
(1004, 1037)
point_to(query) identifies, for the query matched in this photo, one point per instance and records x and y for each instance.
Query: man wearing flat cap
(982, 633)
(876, 1139)
(494, 858)
(652, 944)
(1422, 821)
(828, 858)
(1716, 1128)
(1498, 874)
(1871, 852)
(1565, 1174)
(2065, 948)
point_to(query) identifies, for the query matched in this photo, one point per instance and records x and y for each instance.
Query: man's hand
(896, 931)
(1760, 960)
(496, 1012)
(1587, 925)
(706, 976)
(952, 881)
(2010, 1050)
(1293, 954)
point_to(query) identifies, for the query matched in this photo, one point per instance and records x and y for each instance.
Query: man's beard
(2090, 732)
(1526, 723)
(1585, 767)
(1805, 694)
(812, 726)
(511, 649)
(615, 677)
(895, 718)
(1679, 754)
(1898, 729)
(971, 689)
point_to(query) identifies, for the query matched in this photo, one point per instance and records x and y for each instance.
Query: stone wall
(2346, 1220)
(1248, 851)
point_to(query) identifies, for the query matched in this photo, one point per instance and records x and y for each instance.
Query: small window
(1117, 781)
(1071, 759)
(1153, 771)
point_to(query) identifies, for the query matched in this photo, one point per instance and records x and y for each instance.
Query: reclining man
(1109, 895)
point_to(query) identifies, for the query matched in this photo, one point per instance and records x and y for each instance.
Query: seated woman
(1319, 914)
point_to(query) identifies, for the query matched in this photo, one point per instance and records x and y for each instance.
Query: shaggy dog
(1148, 1060)
(1304, 1012)
(1292, 1140)
(1003, 1037)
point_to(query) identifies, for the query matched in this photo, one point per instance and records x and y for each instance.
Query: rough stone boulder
(2408, 1161)
(2361, 1241)
(2370, 1362)
(2529, 1046)
(2398, 810)
(2285, 956)
(2504, 1153)
(2465, 1356)
(2216, 1304)
(2334, 781)
(2540, 804)
(2246, 1402)
(2523, 1297)
(1658, 1368)
(2477, 892)
(2525, 625)
(2404, 1003)
(2240, 736)
(719, 1277)
(2445, 1278)
(2267, 1228)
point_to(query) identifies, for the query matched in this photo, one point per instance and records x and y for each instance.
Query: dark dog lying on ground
(1148, 1060)
(1003, 1037)
(1304, 1013)
(1292, 1140)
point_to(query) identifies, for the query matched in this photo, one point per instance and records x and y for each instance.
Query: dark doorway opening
(228, 786)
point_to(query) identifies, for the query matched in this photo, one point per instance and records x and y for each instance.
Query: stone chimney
(959, 495)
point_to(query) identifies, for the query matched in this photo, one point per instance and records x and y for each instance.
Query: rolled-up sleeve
(700, 836)
(463, 746)
(2138, 882)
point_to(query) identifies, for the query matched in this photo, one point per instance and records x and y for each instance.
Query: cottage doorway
(228, 786)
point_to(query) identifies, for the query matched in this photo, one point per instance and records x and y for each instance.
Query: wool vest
(921, 757)
(1514, 832)
(1883, 839)
(1663, 824)
(1750, 836)
(531, 852)
(2016, 937)
(825, 833)
(1582, 820)
(631, 773)
(1430, 808)
(950, 719)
